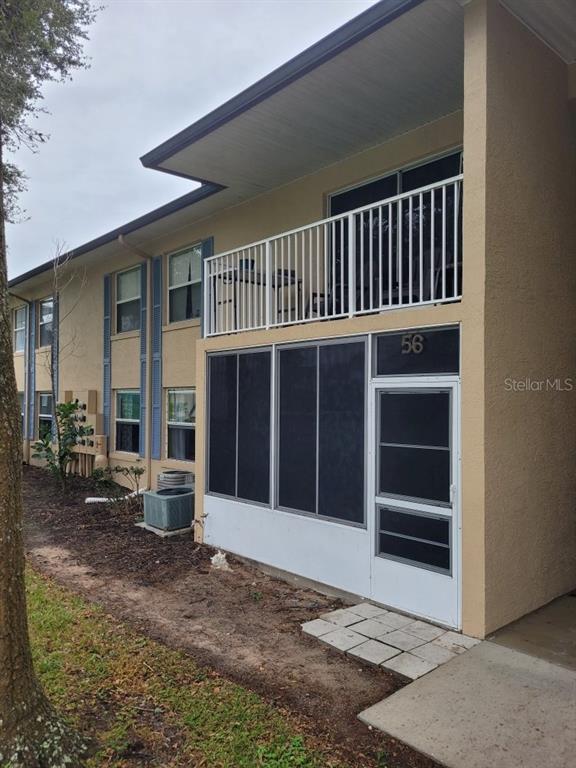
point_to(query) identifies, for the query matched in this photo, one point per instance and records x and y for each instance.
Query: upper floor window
(45, 322)
(185, 284)
(403, 180)
(128, 421)
(181, 423)
(128, 301)
(44, 415)
(19, 329)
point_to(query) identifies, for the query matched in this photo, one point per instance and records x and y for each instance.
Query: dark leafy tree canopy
(40, 41)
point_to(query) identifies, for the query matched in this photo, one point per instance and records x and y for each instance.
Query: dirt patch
(242, 623)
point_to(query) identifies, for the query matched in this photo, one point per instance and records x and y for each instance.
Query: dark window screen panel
(341, 431)
(418, 473)
(432, 172)
(430, 555)
(365, 194)
(418, 351)
(433, 529)
(181, 443)
(254, 372)
(414, 418)
(222, 424)
(44, 428)
(128, 316)
(297, 429)
(127, 437)
(46, 336)
(185, 302)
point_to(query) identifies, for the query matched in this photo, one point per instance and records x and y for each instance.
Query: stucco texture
(530, 334)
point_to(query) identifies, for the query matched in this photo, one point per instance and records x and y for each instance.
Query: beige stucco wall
(19, 368)
(530, 535)
(472, 341)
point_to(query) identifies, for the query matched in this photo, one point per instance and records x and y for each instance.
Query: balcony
(404, 251)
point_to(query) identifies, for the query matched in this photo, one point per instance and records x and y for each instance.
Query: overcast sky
(156, 67)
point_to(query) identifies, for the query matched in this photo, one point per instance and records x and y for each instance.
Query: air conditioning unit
(175, 478)
(169, 509)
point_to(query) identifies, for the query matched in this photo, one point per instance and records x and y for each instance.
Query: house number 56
(412, 344)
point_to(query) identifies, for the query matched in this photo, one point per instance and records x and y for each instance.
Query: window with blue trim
(128, 301)
(20, 329)
(46, 322)
(185, 284)
(44, 415)
(128, 421)
(181, 424)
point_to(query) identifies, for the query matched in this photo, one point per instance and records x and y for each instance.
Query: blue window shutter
(156, 447)
(143, 354)
(55, 355)
(107, 355)
(207, 251)
(31, 371)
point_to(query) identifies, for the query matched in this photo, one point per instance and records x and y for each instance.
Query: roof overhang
(396, 66)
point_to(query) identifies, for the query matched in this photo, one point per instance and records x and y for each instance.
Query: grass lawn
(143, 704)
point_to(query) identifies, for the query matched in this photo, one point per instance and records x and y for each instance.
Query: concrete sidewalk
(496, 706)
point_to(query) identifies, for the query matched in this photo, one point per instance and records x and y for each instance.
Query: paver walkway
(509, 702)
(388, 639)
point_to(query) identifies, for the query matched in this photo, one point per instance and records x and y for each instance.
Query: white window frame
(42, 323)
(19, 328)
(118, 301)
(118, 420)
(178, 424)
(183, 285)
(44, 416)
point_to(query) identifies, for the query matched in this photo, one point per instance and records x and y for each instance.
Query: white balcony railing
(401, 252)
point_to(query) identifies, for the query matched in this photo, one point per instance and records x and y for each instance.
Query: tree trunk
(31, 734)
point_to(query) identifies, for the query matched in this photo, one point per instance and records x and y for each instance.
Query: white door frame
(453, 616)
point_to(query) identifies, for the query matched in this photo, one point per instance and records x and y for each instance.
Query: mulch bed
(243, 623)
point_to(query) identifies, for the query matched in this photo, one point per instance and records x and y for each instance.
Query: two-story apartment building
(359, 331)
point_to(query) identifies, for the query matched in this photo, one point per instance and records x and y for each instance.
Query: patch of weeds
(285, 755)
(382, 760)
(256, 595)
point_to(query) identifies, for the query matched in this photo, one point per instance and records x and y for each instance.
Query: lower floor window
(239, 425)
(181, 424)
(128, 421)
(318, 454)
(321, 429)
(44, 416)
